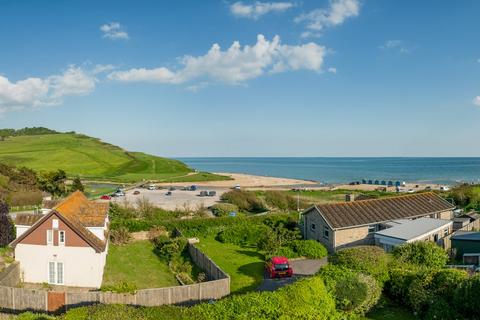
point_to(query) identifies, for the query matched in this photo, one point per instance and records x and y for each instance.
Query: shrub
(243, 234)
(466, 297)
(120, 236)
(353, 291)
(223, 209)
(7, 228)
(441, 310)
(157, 232)
(281, 200)
(284, 252)
(446, 281)
(309, 249)
(369, 260)
(245, 200)
(399, 282)
(122, 287)
(422, 253)
(170, 247)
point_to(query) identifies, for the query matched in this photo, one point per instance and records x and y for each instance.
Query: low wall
(10, 277)
(19, 299)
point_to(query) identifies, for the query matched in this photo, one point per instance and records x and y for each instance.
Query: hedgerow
(421, 253)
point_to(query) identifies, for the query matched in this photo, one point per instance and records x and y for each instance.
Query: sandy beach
(246, 181)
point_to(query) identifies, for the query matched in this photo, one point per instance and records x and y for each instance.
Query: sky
(249, 78)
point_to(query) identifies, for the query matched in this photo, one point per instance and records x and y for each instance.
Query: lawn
(243, 264)
(91, 158)
(137, 263)
(387, 310)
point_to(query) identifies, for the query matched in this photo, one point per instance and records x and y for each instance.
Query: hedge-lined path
(301, 268)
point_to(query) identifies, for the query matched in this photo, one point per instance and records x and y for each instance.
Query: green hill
(92, 158)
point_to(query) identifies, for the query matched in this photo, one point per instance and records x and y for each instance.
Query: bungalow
(67, 246)
(354, 223)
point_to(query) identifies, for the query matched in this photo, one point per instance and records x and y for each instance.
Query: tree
(6, 226)
(77, 185)
(53, 182)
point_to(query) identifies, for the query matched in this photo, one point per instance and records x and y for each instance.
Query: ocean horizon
(441, 170)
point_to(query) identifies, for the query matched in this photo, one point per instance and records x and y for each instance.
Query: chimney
(350, 197)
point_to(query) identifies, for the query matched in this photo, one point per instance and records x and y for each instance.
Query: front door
(55, 272)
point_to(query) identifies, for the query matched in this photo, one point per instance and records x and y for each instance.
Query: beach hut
(377, 182)
(364, 181)
(370, 182)
(384, 183)
(397, 183)
(390, 183)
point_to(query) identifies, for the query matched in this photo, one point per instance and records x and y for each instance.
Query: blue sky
(317, 78)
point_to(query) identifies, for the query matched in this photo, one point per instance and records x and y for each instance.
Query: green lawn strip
(245, 265)
(138, 264)
(330, 196)
(197, 177)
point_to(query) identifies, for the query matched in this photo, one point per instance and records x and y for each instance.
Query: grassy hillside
(90, 158)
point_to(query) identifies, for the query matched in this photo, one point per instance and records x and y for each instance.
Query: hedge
(421, 253)
(369, 260)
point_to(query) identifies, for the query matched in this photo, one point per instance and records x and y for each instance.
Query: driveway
(301, 268)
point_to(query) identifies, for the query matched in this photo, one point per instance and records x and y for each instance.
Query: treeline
(466, 196)
(33, 131)
(23, 186)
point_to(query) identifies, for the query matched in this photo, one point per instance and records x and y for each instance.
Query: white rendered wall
(21, 230)
(83, 267)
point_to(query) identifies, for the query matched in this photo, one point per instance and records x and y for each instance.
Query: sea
(345, 170)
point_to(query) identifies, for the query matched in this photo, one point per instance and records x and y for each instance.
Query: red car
(106, 197)
(278, 267)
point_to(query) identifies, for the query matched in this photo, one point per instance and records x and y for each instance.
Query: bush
(281, 200)
(369, 260)
(122, 287)
(170, 247)
(223, 209)
(421, 253)
(245, 201)
(446, 281)
(120, 236)
(441, 310)
(283, 252)
(243, 234)
(466, 297)
(309, 249)
(353, 291)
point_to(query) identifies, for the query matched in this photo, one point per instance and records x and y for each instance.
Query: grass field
(92, 158)
(137, 263)
(243, 264)
(321, 196)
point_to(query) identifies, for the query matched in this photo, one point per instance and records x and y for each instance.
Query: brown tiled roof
(78, 213)
(27, 219)
(349, 214)
(78, 208)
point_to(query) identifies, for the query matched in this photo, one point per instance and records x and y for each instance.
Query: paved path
(301, 268)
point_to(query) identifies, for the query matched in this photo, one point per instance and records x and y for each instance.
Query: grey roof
(466, 236)
(412, 229)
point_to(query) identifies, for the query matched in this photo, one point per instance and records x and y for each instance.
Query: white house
(67, 246)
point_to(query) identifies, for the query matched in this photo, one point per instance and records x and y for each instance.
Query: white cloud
(234, 65)
(397, 45)
(332, 70)
(258, 9)
(35, 92)
(476, 101)
(114, 31)
(319, 19)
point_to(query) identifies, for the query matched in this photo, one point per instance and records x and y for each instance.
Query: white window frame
(61, 243)
(326, 232)
(49, 237)
(54, 279)
(372, 229)
(313, 226)
(55, 224)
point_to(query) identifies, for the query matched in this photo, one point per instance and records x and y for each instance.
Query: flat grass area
(137, 263)
(91, 158)
(245, 265)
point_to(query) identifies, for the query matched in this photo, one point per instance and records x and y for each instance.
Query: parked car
(169, 193)
(237, 187)
(203, 193)
(278, 267)
(212, 193)
(136, 193)
(106, 197)
(118, 194)
(152, 187)
(193, 188)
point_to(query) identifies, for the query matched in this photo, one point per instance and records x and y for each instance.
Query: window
(313, 226)
(372, 229)
(55, 272)
(59, 273)
(55, 224)
(445, 232)
(51, 272)
(326, 232)
(49, 237)
(61, 238)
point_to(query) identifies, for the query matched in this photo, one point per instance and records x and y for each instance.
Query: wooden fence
(14, 299)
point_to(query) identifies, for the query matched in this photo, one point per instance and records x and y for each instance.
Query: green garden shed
(467, 246)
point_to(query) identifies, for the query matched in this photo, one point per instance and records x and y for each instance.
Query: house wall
(83, 267)
(446, 215)
(20, 230)
(39, 235)
(350, 237)
(313, 217)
